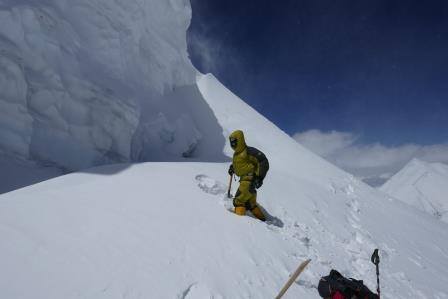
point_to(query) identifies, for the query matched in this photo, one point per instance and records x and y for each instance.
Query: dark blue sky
(374, 68)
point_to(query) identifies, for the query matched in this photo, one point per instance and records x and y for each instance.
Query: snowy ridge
(423, 185)
(162, 230)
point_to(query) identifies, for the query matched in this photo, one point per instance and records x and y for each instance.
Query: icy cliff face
(86, 82)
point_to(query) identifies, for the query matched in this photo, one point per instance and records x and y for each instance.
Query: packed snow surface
(423, 185)
(163, 230)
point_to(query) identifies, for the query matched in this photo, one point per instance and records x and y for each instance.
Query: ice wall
(82, 81)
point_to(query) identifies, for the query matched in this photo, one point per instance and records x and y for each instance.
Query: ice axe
(376, 260)
(230, 187)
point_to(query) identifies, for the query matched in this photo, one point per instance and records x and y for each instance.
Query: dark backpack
(262, 160)
(348, 287)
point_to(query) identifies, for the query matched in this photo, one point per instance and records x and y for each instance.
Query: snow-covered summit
(423, 185)
(162, 230)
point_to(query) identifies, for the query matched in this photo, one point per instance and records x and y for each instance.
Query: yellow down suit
(251, 165)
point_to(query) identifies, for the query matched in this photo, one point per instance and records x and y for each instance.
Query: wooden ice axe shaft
(293, 277)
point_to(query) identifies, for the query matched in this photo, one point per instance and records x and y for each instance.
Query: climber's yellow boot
(240, 211)
(258, 213)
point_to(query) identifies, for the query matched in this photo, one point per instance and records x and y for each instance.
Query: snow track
(160, 230)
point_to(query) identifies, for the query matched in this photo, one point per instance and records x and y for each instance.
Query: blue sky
(375, 69)
(362, 83)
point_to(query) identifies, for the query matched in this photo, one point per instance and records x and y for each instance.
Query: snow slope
(162, 230)
(423, 185)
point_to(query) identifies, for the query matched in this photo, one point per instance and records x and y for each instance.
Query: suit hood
(241, 142)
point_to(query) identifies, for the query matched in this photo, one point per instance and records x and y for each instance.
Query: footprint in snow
(210, 185)
(195, 290)
(306, 284)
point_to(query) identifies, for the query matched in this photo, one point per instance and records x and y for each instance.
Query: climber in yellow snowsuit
(251, 165)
